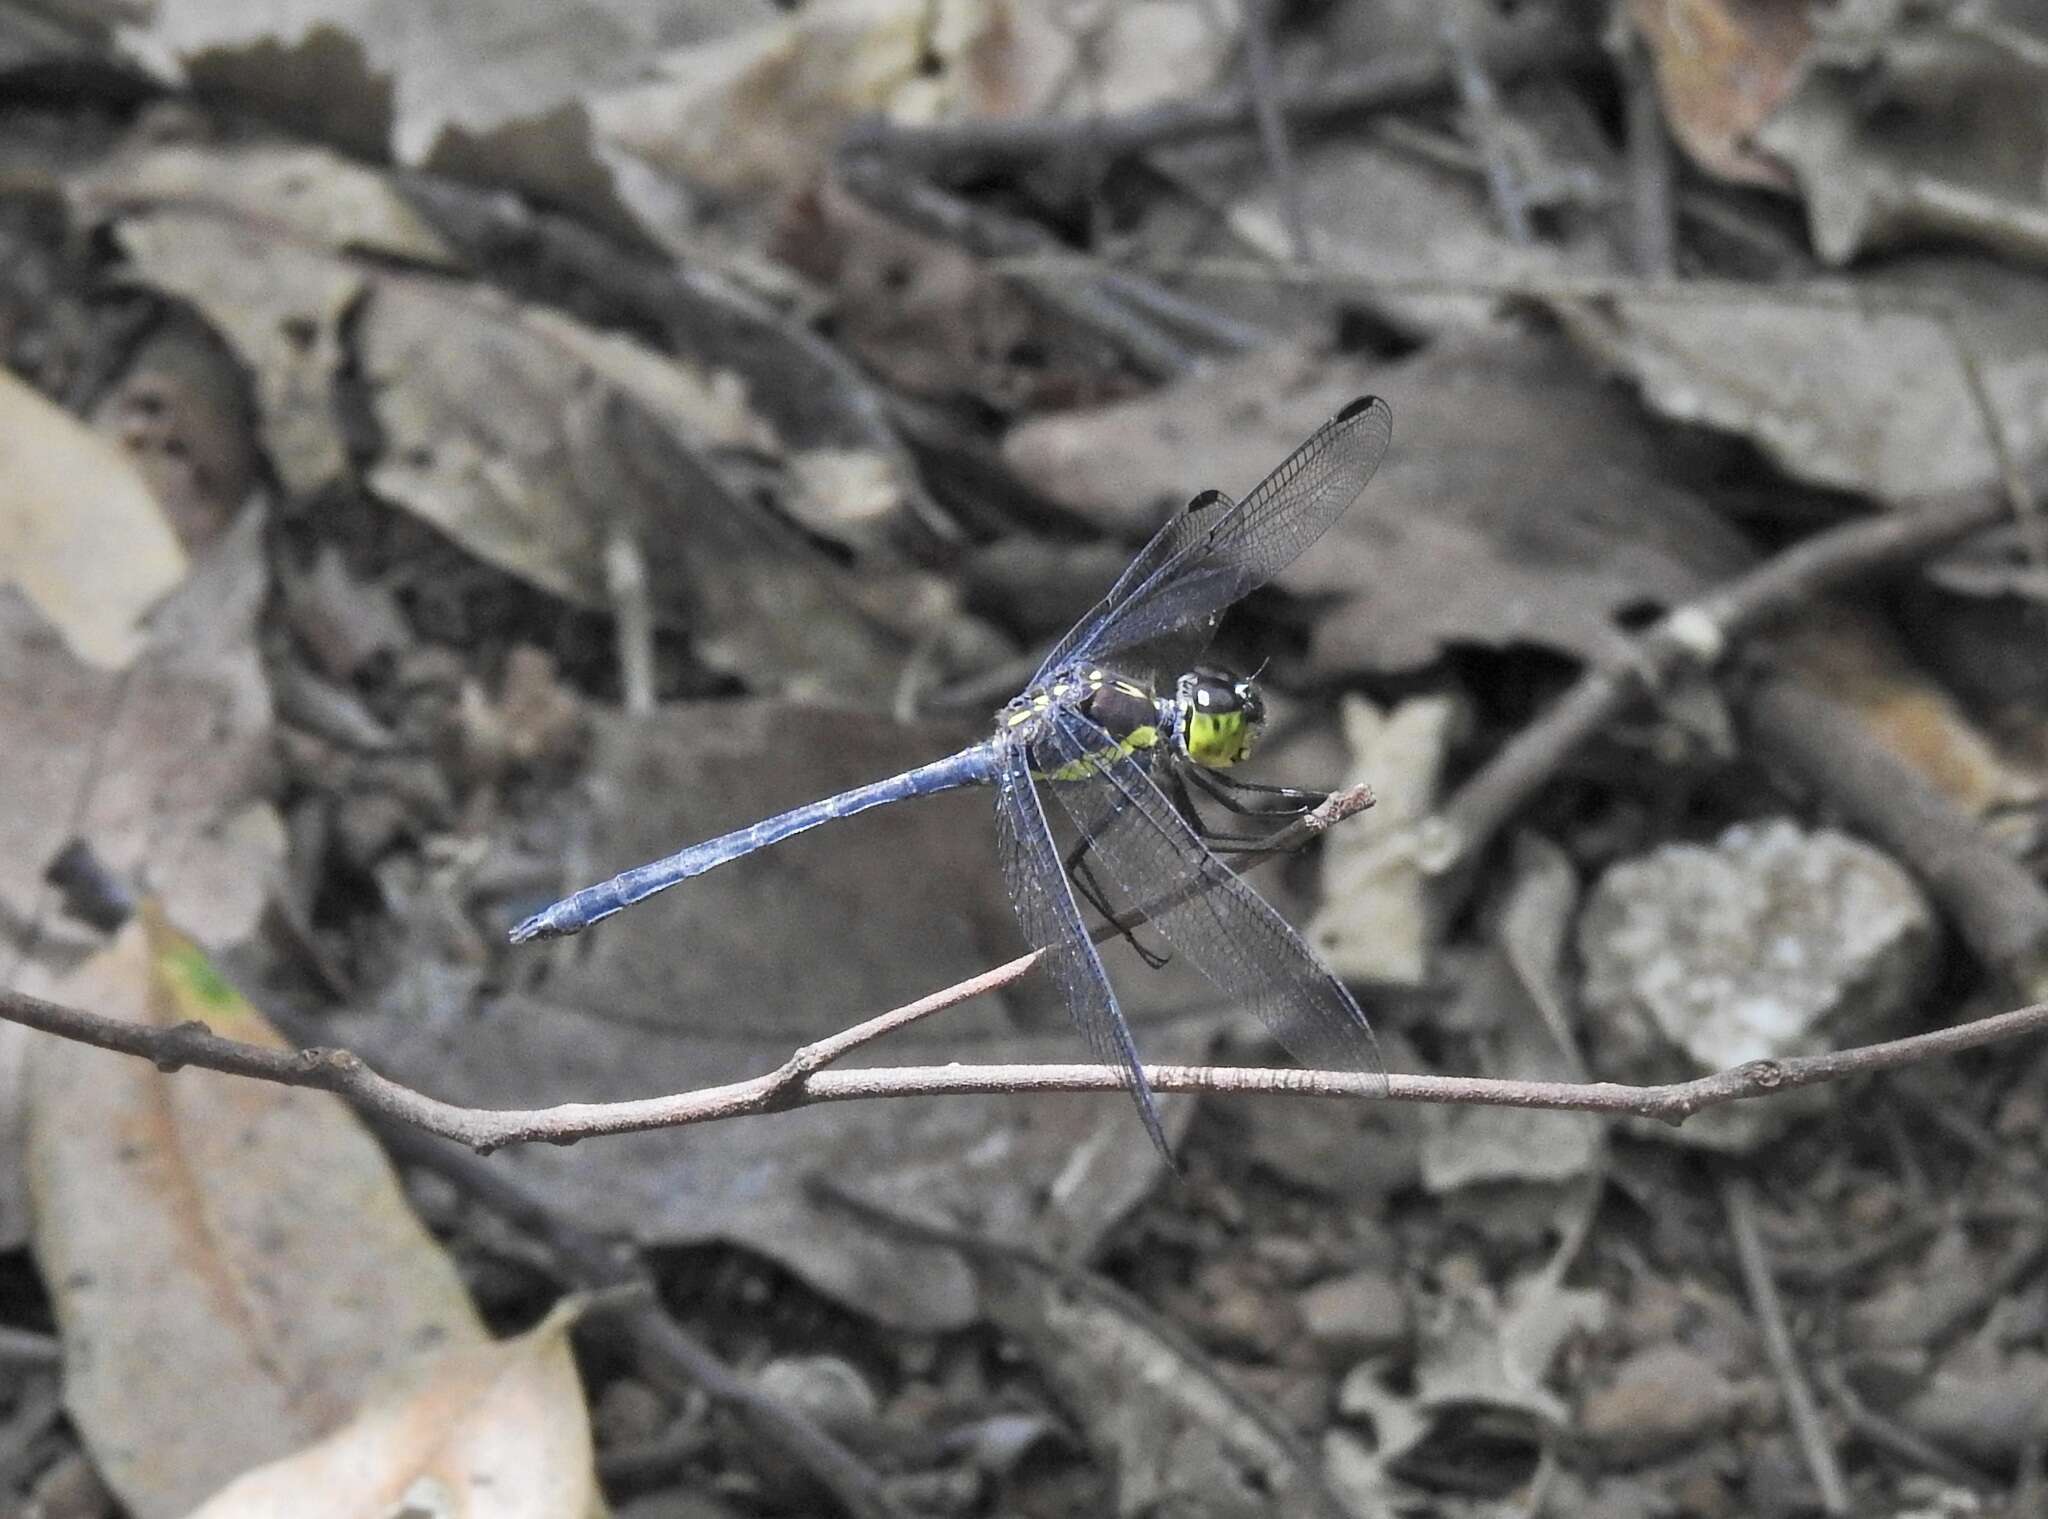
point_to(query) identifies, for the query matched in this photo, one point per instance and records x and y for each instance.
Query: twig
(1814, 1441)
(625, 583)
(1123, 305)
(25, 1347)
(1485, 120)
(991, 234)
(1997, 905)
(1698, 634)
(1902, 1442)
(1262, 85)
(1652, 205)
(483, 1129)
(970, 148)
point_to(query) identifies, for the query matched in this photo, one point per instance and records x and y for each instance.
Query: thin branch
(966, 149)
(348, 1075)
(1651, 199)
(1739, 1200)
(1697, 635)
(990, 234)
(1891, 1436)
(1262, 86)
(1486, 122)
(1997, 905)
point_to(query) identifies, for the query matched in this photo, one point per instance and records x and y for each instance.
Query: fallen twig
(1996, 904)
(1262, 85)
(1815, 1443)
(971, 148)
(1652, 201)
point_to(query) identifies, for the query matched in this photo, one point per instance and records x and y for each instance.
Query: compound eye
(1216, 695)
(1249, 701)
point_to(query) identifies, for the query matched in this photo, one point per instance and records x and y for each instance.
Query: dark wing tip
(1365, 404)
(1208, 501)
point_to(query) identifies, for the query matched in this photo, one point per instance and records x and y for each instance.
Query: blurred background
(451, 453)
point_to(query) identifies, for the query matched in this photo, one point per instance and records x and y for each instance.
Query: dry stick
(1696, 635)
(1739, 1200)
(1896, 1438)
(1485, 120)
(1652, 203)
(977, 147)
(1996, 904)
(1262, 85)
(992, 234)
(348, 1075)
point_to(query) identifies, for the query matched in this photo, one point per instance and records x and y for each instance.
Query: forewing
(1168, 544)
(1051, 920)
(1204, 910)
(1214, 554)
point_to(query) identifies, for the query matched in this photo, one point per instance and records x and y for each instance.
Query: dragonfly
(1098, 738)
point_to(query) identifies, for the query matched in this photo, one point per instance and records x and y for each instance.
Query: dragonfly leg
(1083, 876)
(1232, 793)
(1183, 800)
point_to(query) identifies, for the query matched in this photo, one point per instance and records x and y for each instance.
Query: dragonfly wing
(1166, 545)
(1203, 909)
(1219, 551)
(1051, 919)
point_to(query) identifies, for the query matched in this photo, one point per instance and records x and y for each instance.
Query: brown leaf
(1916, 125)
(1722, 67)
(66, 492)
(1865, 394)
(531, 440)
(252, 1236)
(486, 1429)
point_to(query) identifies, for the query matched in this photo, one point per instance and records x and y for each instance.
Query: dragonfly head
(1220, 717)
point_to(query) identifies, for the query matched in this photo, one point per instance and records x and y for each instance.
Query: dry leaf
(1415, 232)
(66, 494)
(281, 304)
(253, 1237)
(1722, 67)
(498, 1430)
(1375, 924)
(1180, 1437)
(1860, 662)
(162, 769)
(1866, 393)
(532, 440)
(1918, 124)
(470, 87)
(318, 197)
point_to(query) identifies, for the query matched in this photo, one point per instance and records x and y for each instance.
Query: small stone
(628, 1412)
(1244, 1317)
(1660, 1401)
(1351, 1317)
(1991, 1412)
(828, 1389)
(1772, 942)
